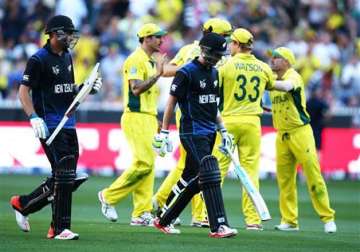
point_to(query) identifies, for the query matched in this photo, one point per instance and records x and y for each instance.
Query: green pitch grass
(97, 234)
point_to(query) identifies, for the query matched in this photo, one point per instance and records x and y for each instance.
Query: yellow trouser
(197, 204)
(247, 137)
(139, 130)
(292, 147)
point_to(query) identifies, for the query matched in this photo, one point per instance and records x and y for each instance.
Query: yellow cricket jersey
(243, 80)
(139, 66)
(289, 108)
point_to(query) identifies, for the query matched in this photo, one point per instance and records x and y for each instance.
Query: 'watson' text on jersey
(51, 79)
(196, 89)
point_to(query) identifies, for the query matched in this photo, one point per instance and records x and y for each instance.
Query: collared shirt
(196, 89)
(139, 66)
(289, 108)
(51, 79)
(243, 80)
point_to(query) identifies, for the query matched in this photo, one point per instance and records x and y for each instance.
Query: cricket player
(295, 145)
(139, 123)
(46, 91)
(243, 80)
(186, 54)
(195, 89)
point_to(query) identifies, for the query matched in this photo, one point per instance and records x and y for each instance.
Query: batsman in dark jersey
(46, 91)
(195, 90)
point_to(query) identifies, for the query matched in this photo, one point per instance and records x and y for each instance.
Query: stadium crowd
(324, 35)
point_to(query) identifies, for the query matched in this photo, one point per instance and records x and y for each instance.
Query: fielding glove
(162, 143)
(39, 126)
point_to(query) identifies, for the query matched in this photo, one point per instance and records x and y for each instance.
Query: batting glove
(97, 85)
(162, 143)
(39, 126)
(227, 142)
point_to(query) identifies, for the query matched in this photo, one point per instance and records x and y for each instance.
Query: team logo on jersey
(215, 83)
(26, 77)
(56, 69)
(69, 68)
(173, 87)
(202, 83)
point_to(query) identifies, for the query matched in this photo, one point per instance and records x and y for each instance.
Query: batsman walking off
(295, 145)
(195, 89)
(49, 75)
(186, 54)
(140, 124)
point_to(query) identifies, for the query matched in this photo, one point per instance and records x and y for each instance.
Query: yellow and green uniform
(185, 54)
(295, 145)
(243, 80)
(139, 124)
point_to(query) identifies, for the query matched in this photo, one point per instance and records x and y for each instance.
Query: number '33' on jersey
(243, 80)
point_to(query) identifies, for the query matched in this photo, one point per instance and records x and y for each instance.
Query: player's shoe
(176, 222)
(51, 232)
(66, 234)
(330, 227)
(223, 232)
(169, 229)
(146, 219)
(286, 227)
(21, 220)
(255, 227)
(199, 224)
(107, 210)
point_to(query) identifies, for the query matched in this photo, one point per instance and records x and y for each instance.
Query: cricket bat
(251, 190)
(79, 98)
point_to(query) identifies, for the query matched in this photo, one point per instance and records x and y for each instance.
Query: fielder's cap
(218, 25)
(284, 53)
(150, 29)
(214, 42)
(242, 36)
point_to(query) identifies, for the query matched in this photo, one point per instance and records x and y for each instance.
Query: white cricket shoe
(66, 234)
(255, 227)
(330, 227)
(169, 229)
(200, 224)
(146, 219)
(286, 227)
(21, 220)
(223, 232)
(107, 210)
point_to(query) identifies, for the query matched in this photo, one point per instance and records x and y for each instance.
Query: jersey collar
(143, 54)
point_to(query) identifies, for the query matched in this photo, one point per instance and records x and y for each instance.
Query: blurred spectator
(319, 112)
(111, 67)
(324, 35)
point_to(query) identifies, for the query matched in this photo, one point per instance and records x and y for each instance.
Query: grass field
(97, 234)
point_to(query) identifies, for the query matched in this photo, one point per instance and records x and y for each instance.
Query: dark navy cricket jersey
(51, 79)
(196, 88)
